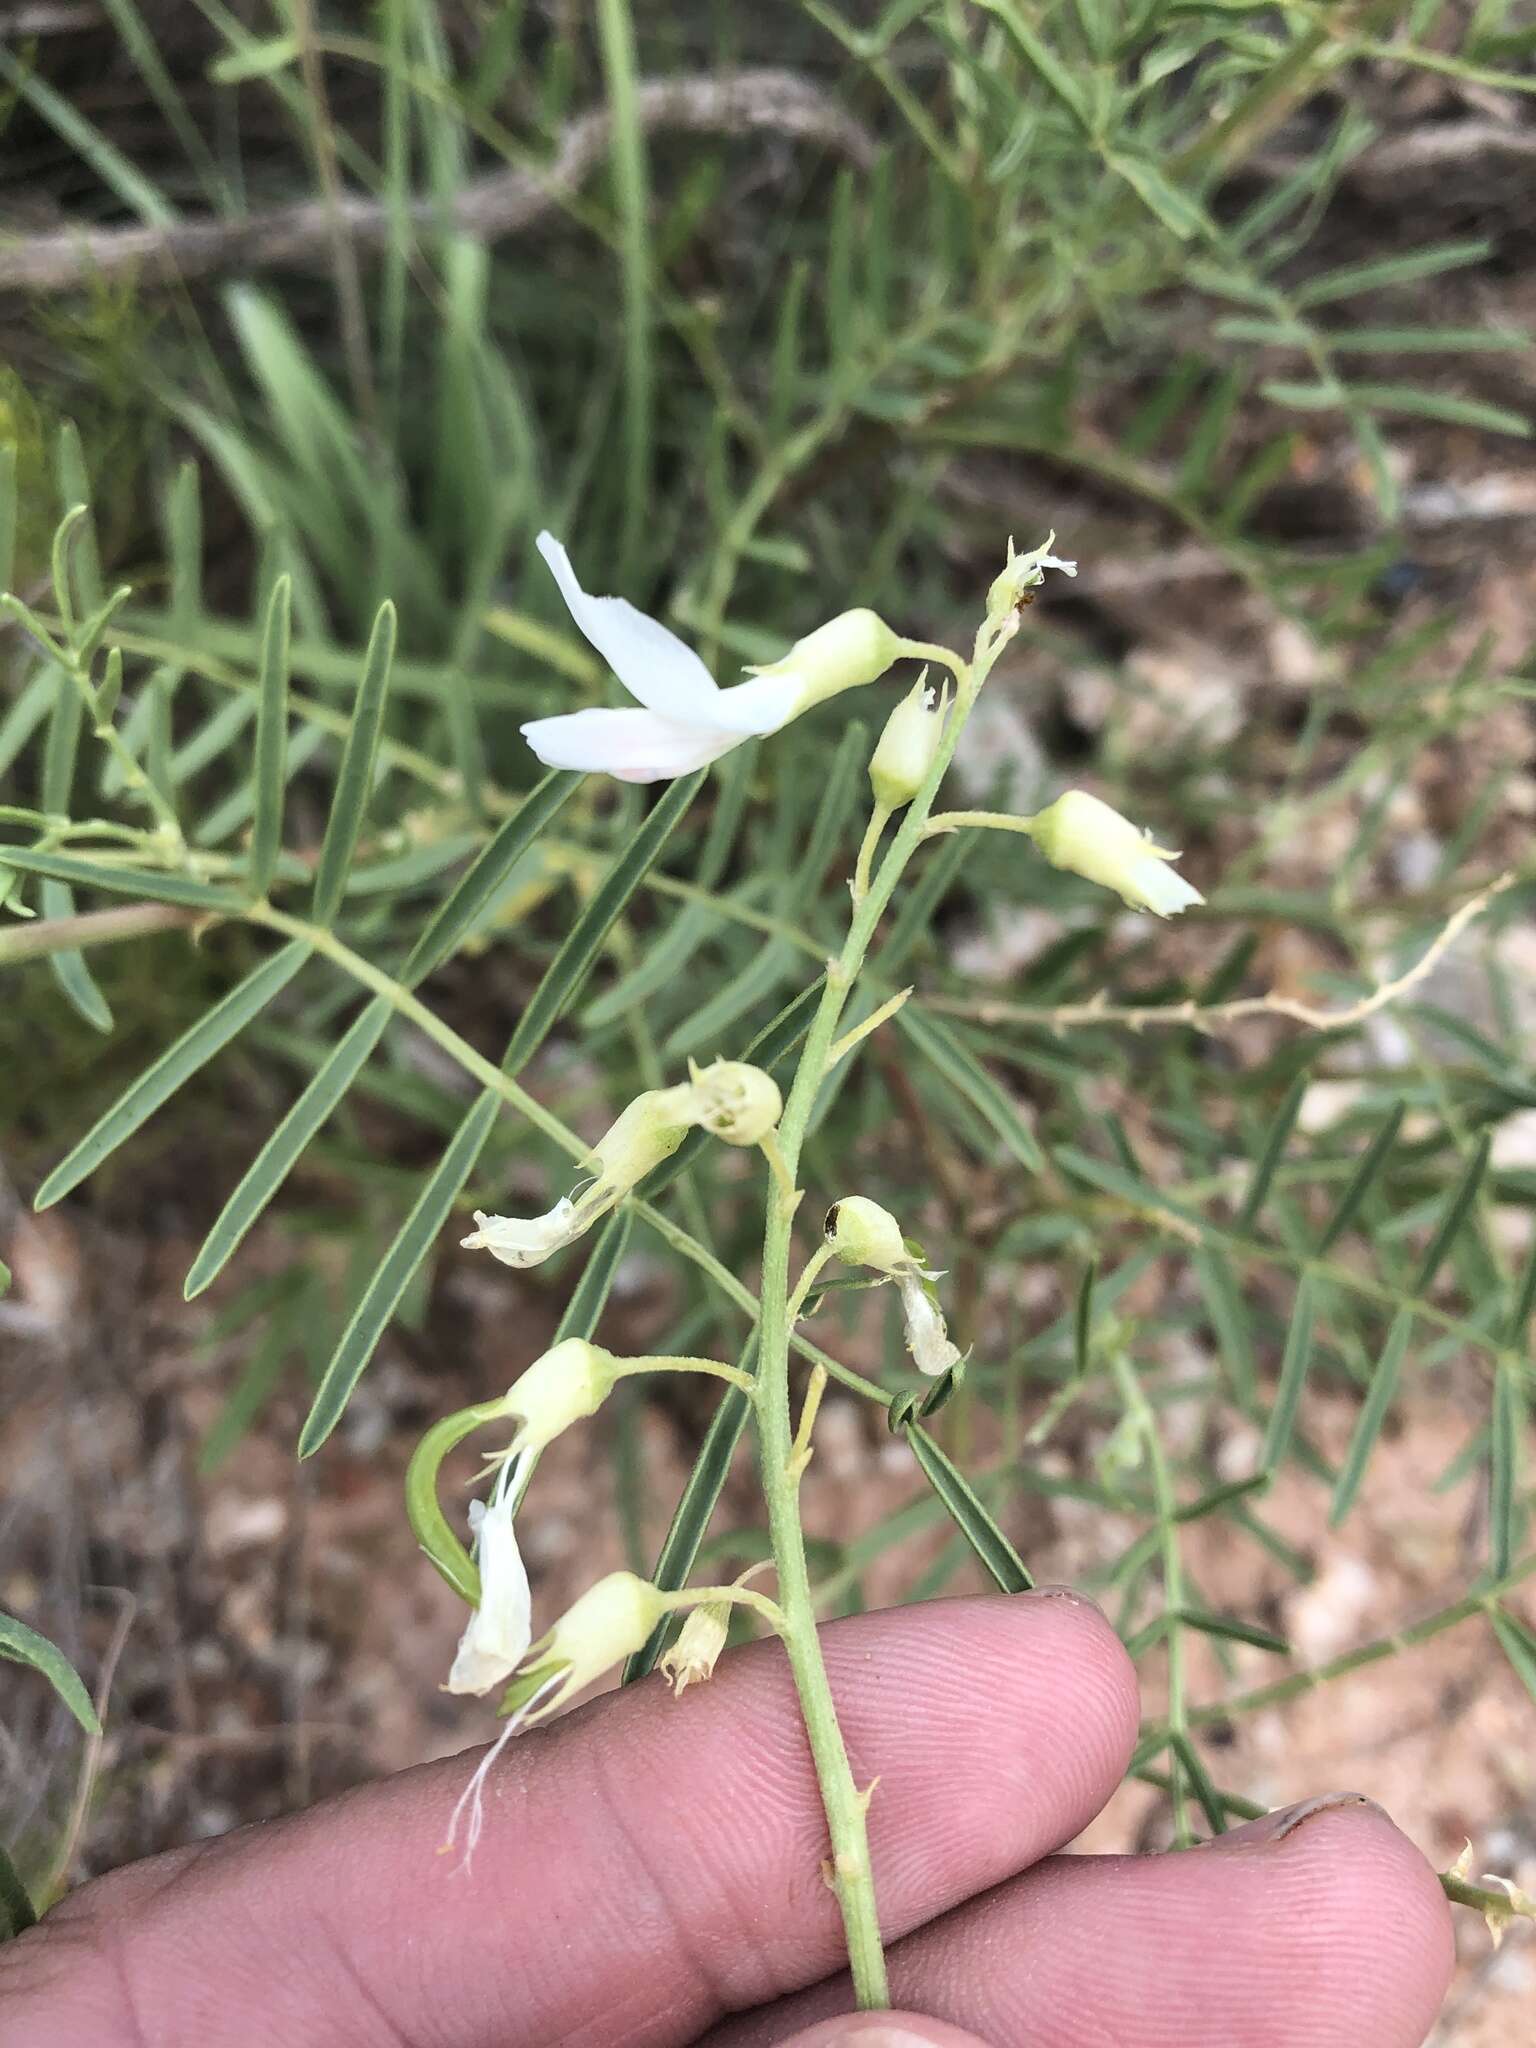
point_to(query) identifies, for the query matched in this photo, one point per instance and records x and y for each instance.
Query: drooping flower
(685, 720)
(693, 1657)
(568, 1383)
(524, 1241)
(863, 1234)
(609, 1622)
(501, 1627)
(1088, 837)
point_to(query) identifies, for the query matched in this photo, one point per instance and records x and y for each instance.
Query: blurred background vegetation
(769, 311)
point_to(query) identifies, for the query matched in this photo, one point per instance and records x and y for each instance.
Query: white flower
(1022, 576)
(1088, 837)
(687, 720)
(525, 1241)
(928, 1341)
(501, 1627)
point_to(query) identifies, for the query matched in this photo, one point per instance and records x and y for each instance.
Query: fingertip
(883, 2030)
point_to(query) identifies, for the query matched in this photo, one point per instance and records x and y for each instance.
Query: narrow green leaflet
(1229, 1319)
(1274, 1148)
(584, 1310)
(1519, 1646)
(354, 779)
(1041, 58)
(571, 965)
(271, 739)
(969, 1515)
(1456, 1210)
(17, 1912)
(210, 1034)
(1230, 1629)
(1360, 1181)
(1505, 1435)
(697, 1503)
(275, 1161)
(24, 1645)
(381, 1298)
(1293, 1373)
(250, 1393)
(963, 1072)
(68, 968)
(477, 889)
(1372, 1415)
(1397, 398)
(1201, 1782)
(90, 874)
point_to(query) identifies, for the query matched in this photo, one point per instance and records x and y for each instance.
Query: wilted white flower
(525, 1241)
(686, 720)
(928, 1340)
(501, 1627)
(1022, 576)
(1088, 837)
(693, 1657)
(863, 1234)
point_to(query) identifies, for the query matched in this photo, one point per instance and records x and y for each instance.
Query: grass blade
(271, 738)
(571, 965)
(477, 888)
(969, 1515)
(1370, 1165)
(1293, 1373)
(209, 1035)
(23, 1645)
(1372, 1415)
(354, 779)
(705, 1484)
(1275, 1142)
(276, 1159)
(381, 1297)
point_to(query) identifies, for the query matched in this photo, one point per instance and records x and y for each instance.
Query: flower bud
(928, 1340)
(499, 1630)
(569, 1383)
(647, 1132)
(524, 1241)
(693, 1657)
(1088, 837)
(734, 1101)
(609, 1622)
(854, 648)
(864, 1234)
(906, 748)
(1022, 577)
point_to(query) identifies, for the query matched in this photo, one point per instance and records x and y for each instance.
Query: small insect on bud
(735, 1102)
(901, 760)
(569, 1383)
(864, 1234)
(1022, 577)
(855, 648)
(693, 1657)
(609, 1622)
(1088, 837)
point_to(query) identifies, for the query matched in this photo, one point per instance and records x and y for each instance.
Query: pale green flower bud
(569, 1383)
(609, 1622)
(647, 1132)
(693, 1657)
(864, 1234)
(735, 1102)
(1023, 576)
(853, 649)
(906, 748)
(1088, 837)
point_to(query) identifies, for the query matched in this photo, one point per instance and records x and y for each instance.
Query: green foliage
(739, 410)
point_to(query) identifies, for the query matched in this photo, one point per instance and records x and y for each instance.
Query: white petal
(1161, 888)
(523, 1240)
(636, 746)
(928, 1341)
(657, 668)
(501, 1627)
(760, 706)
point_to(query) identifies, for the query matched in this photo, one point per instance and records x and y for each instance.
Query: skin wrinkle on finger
(1337, 1936)
(997, 1727)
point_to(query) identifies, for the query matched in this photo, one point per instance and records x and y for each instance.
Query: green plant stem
(843, 1801)
(732, 1596)
(711, 1366)
(90, 928)
(1137, 1405)
(879, 817)
(990, 821)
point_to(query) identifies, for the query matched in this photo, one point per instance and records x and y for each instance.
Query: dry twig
(756, 101)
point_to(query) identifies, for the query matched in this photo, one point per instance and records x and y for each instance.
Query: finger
(884, 2030)
(646, 1866)
(1321, 1927)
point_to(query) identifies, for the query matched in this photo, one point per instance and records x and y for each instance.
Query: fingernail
(1279, 1826)
(877, 2037)
(1068, 1595)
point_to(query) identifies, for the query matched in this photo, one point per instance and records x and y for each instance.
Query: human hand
(649, 1875)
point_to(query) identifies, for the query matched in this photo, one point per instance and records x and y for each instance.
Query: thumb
(883, 2030)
